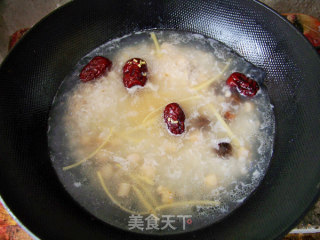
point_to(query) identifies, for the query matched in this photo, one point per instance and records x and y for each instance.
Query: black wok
(33, 71)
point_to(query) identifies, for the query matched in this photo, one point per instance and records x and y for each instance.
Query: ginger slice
(106, 190)
(233, 137)
(135, 179)
(143, 200)
(208, 82)
(147, 180)
(144, 189)
(156, 43)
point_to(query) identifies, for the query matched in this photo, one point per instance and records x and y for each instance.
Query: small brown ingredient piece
(200, 122)
(229, 116)
(235, 98)
(224, 149)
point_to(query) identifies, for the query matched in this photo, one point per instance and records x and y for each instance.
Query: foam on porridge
(130, 163)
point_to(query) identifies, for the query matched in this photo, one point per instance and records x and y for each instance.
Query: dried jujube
(135, 72)
(244, 85)
(95, 68)
(174, 118)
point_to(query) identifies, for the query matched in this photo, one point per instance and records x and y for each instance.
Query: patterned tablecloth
(309, 26)
(9, 229)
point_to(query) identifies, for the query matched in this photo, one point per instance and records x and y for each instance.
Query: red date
(95, 68)
(174, 118)
(135, 73)
(244, 85)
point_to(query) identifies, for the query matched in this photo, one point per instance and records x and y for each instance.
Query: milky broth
(131, 163)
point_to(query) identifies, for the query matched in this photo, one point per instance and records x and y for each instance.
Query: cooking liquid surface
(131, 164)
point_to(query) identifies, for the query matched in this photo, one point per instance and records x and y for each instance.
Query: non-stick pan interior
(33, 71)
